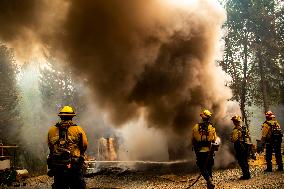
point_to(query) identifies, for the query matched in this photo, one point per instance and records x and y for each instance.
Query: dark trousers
(205, 162)
(242, 154)
(276, 147)
(69, 178)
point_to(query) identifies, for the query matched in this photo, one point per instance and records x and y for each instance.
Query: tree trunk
(263, 85)
(244, 82)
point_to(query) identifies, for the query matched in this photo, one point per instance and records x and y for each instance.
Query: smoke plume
(155, 58)
(30, 26)
(155, 55)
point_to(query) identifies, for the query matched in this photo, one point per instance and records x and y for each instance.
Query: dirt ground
(226, 178)
(222, 178)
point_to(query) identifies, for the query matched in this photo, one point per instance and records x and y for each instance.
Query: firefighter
(241, 139)
(272, 138)
(67, 143)
(203, 135)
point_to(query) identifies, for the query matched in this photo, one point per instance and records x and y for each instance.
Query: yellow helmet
(269, 114)
(67, 111)
(236, 118)
(205, 114)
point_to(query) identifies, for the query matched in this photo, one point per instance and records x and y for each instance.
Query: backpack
(203, 131)
(245, 134)
(276, 133)
(61, 156)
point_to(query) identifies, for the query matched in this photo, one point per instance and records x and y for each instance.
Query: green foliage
(254, 51)
(267, 50)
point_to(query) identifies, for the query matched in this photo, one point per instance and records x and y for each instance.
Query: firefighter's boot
(280, 168)
(210, 185)
(268, 168)
(245, 177)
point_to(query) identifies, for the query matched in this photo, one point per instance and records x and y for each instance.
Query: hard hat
(67, 111)
(205, 114)
(269, 114)
(236, 118)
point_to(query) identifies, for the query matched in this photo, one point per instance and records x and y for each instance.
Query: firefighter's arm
(49, 140)
(212, 134)
(194, 140)
(84, 141)
(195, 134)
(265, 131)
(278, 125)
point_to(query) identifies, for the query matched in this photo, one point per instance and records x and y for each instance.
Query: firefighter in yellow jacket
(241, 139)
(67, 143)
(203, 135)
(272, 138)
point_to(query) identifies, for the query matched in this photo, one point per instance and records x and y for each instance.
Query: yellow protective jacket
(267, 130)
(202, 139)
(76, 138)
(237, 134)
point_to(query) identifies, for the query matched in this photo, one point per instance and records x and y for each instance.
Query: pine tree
(254, 52)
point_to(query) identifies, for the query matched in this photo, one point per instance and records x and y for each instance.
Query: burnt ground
(124, 178)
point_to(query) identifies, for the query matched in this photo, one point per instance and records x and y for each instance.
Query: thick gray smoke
(155, 58)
